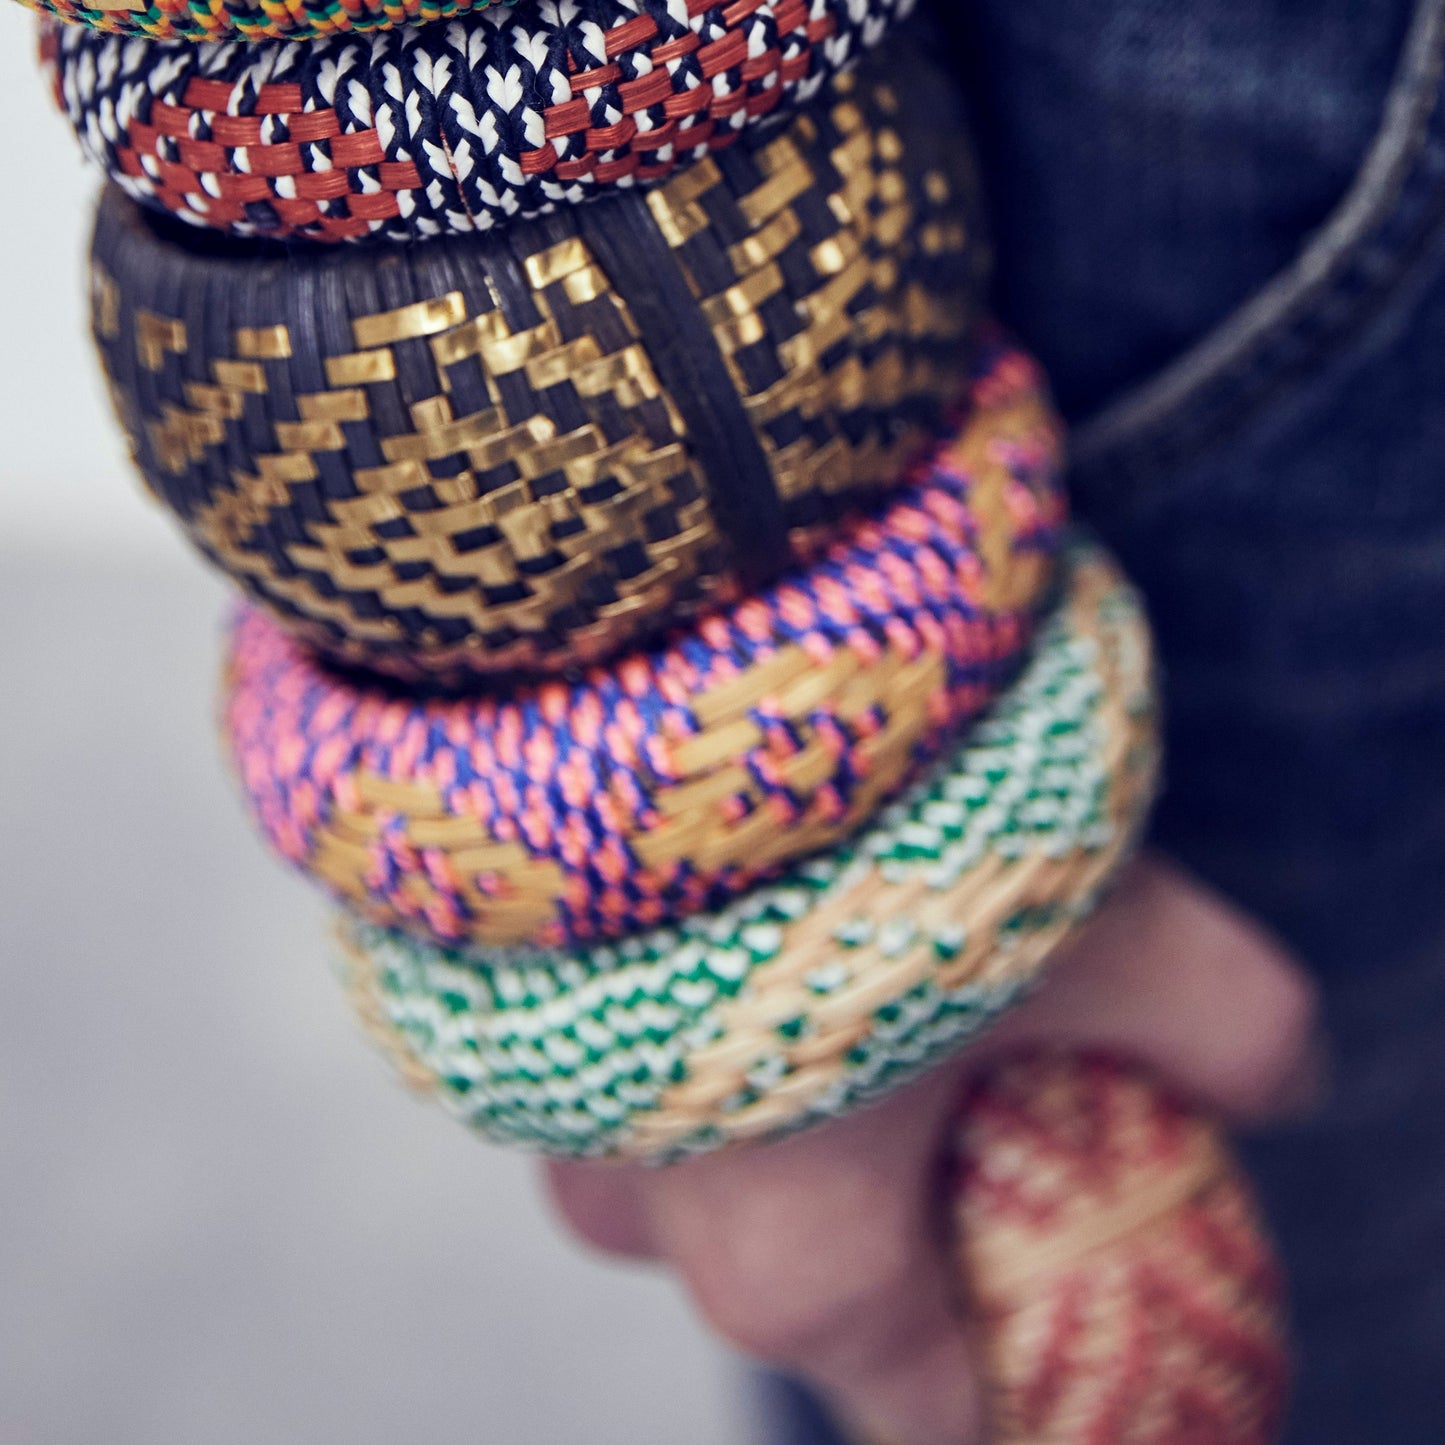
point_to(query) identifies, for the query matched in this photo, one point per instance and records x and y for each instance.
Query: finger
(821, 1254)
(825, 1255)
(604, 1204)
(1170, 974)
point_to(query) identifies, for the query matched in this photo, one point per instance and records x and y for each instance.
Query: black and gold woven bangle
(521, 450)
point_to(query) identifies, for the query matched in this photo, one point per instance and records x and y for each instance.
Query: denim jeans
(1221, 226)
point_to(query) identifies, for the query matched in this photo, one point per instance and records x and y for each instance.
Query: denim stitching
(1332, 287)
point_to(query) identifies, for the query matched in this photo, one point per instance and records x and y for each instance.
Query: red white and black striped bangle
(449, 128)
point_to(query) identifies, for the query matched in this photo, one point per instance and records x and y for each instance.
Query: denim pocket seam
(1329, 292)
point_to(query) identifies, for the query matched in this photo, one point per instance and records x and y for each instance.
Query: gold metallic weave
(491, 473)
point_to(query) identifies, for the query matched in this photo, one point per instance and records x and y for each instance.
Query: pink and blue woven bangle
(674, 777)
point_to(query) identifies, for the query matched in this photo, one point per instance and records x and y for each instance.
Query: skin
(825, 1254)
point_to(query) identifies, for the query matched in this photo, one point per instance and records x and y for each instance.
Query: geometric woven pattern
(808, 997)
(505, 452)
(1114, 1248)
(449, 128)
(293, 20)
(669, 779)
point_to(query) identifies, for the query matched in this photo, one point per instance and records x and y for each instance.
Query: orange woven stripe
(723, 54)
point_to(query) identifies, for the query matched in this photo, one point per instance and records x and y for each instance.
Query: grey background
(221, 1219)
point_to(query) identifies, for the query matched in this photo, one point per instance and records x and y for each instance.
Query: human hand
(827, 1254)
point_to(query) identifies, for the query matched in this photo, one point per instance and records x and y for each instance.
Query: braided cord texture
(485, 454)
(253, 20)
(854, 972)
(452, 128)
(1116, 1251)
(676, 777)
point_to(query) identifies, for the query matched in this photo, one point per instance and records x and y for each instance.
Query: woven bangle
(457, 127)
(522, 450)
(250, 21)
(673, 778)
(810, 996)
(1115, 1252)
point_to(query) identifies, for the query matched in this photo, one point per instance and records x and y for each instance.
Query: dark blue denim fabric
(1152, 163)
(1221, 225)
(1263, 442)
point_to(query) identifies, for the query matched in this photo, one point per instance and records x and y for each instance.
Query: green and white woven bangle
(810, 996)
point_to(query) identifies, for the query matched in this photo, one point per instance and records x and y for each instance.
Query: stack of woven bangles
(663, 637)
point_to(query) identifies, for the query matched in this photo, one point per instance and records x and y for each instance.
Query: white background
(221, 1220)
(64, 479)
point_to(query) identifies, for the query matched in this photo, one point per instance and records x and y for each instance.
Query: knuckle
(762, 1325)
(600, 1212)
(789, 1306)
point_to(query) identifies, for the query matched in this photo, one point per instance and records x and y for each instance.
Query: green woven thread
(562, 1050)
